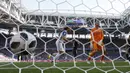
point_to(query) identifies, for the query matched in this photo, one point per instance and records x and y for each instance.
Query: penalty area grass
(68, 67)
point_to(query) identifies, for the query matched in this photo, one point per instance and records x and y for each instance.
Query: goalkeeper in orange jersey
(96, 44)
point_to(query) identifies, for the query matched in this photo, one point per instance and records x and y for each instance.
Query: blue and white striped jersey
(62, 34)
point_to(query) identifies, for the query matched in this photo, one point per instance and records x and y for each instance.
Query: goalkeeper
(96, 42)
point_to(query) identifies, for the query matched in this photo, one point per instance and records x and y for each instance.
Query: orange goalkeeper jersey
(97, 34)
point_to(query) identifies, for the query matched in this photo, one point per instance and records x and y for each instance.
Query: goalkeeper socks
(90, 55)
(102, 57)
(89, 58)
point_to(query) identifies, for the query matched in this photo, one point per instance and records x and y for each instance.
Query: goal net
(64, 36)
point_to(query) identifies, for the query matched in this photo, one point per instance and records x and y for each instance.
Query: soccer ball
(23, 41)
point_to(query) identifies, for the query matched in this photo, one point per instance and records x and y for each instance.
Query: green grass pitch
(68, 67)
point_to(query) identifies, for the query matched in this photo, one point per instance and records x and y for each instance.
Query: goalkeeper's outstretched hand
(100, 42)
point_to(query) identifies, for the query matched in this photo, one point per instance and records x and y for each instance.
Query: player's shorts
(59, 46)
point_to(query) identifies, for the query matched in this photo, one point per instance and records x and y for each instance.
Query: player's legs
(60, 49)
(92, 53)
(75, 51)
(103, 52)
(127, 56)
(94, 50)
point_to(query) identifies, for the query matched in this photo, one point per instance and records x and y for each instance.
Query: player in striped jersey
(59, 43)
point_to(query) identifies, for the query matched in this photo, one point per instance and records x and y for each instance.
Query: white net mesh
(29, 30)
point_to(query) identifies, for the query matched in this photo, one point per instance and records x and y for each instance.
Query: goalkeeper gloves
(100, 42)
(91, 45)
